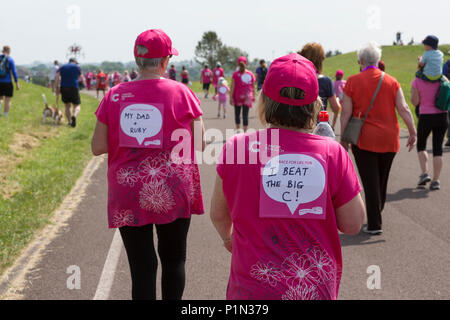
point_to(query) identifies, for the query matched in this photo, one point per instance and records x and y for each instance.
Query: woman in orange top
(379, 140)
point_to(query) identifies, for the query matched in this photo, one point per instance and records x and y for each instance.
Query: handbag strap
(374, 96)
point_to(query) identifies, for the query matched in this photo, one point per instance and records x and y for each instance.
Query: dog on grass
(53, 114)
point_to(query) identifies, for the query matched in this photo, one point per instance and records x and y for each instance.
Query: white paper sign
(141, 121)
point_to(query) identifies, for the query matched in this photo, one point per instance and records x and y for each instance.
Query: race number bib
(141, 125)
(294, 186)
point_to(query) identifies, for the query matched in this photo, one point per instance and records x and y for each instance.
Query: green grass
(44, 174)
(401, 63)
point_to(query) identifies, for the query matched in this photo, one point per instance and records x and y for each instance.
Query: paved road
(412, 254)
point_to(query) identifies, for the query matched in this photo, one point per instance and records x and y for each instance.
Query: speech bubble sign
(246, 78)
(223, 90)
(141, 121)
(294, 179)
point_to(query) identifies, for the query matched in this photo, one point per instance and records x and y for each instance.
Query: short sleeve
(193, 104)
(228, 149)
(345, 185)
(102, 110)
(414, 83)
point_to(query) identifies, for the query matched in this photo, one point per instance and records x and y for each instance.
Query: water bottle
(323, 128)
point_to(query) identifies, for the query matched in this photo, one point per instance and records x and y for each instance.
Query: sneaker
(372, 232)
(424, 179)
(73, 123)
(435, 185)
(218, 115)
(448, 143)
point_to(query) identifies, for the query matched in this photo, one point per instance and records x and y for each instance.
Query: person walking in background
(68, 79)
(206, 78)
(102, 81)
(315, 53)
(218, 73)
(116, 78)
(8, 71)
(133, 74)
(280, 251)
(222, 92)
(173, 73)
(431, 120)
(242, 93)
(149, 182)
(339, 85)
(379, 141)
(53, 72)
(89, 76)
(184, 76)
(261, 73)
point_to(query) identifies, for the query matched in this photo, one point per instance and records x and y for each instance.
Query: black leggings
(436, 123)
(237, 114)
(138, 242)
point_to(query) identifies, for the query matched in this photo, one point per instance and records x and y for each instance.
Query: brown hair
(6, 49)
(242, 67)
(314, 52)
(301, 117)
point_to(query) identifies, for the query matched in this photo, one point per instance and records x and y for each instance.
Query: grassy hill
(401, 62)
(39, 166)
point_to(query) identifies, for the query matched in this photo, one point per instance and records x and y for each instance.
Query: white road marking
(109, 269)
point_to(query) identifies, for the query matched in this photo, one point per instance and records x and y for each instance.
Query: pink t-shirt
(222, 91)
(217, 73)
(206, 75)
(339, 88)
(285, 239)
(427, 92)
(243, 88)
(147, 184)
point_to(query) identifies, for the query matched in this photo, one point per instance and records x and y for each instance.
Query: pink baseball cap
(242, 59)
(294, 71)
(339, 73)
(157, 43)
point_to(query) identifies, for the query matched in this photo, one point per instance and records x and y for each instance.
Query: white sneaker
(372, 232)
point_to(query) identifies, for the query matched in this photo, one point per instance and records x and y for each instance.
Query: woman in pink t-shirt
(282, 194)
(206, 78)
(145, 126)
(242, 93)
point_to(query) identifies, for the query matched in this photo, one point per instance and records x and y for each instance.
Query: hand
(232, 101)
(419, 58)
(17, 86)
(227, 243)
(411, 142)
(345, 145)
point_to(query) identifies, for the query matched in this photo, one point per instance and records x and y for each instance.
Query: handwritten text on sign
(140, 122)
(296, 180)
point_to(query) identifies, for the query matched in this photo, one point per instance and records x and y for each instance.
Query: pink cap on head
(340, 73)
(242, 59)
(294, 71)
(157, 43)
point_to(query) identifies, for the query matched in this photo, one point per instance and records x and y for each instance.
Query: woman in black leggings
(143, 261)
(431, 120)
(242, 93)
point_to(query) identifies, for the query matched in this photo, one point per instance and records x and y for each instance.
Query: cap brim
(174, 52)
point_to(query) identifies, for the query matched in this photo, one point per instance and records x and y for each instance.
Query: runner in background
(222, 92)
(261, 73)
(102, 80)
(116, 78)
(88, 77)
(205, 79)
(68, 78)
(173, 73)
(218, 72)
(53, 71)
(7, 72)
(339, 85)
(281, 250)
(149, 182)
(184, 76)
(242, 93)
(126, 77)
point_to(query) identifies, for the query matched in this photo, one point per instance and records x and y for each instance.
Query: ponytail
(242, 67)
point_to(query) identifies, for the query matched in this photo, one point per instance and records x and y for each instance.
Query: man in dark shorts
(7, 68)
(68, 76)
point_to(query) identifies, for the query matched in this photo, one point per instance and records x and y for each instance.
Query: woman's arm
(347, 111)
(406, 115)
(336, 107)
(99, 143)
(232, 92)
(415, 97)
(220, 215)
(350, 216)
(197, 125)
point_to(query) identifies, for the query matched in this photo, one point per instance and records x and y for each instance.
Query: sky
(42, 30)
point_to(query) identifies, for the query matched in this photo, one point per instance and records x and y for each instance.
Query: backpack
(443, 96)
(4, 66)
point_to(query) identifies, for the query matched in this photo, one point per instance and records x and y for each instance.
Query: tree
(228, 56)
(208, 48)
